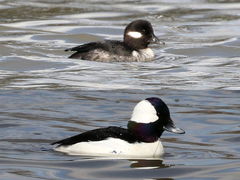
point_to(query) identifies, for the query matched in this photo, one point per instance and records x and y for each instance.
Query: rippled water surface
(44, 96)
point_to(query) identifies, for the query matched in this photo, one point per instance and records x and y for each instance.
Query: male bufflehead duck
(149, 119)
(137, 36)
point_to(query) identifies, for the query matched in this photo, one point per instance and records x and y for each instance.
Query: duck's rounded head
(151, 117)
(139, 34)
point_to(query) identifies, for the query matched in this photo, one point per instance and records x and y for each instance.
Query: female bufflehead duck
(137, 36)
(149, 119)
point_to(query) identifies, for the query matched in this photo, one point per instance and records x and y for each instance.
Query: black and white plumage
(149, 119)
(137, 36)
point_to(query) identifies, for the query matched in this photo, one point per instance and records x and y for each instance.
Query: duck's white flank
(134, 34)
(115, 148)
(144, 112)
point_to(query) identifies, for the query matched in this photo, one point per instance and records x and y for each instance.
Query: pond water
(44, 96)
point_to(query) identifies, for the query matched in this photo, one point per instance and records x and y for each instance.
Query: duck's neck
(149, 132)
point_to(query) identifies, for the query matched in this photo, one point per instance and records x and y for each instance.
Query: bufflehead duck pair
(141, 139)
(134, 47)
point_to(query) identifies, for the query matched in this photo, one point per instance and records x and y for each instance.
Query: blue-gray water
(45, 96)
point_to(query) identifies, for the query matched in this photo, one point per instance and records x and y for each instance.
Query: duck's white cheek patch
(134, 34)
(144, 112)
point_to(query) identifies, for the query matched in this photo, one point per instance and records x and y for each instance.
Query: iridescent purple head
(152, 113)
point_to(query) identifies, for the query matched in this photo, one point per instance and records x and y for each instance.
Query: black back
(98, 135)
(114, 47)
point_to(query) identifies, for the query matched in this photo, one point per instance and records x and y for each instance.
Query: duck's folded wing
(97, 135)
(86, 47)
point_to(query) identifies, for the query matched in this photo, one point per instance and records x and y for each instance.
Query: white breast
(144, 54)
(113, 147)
